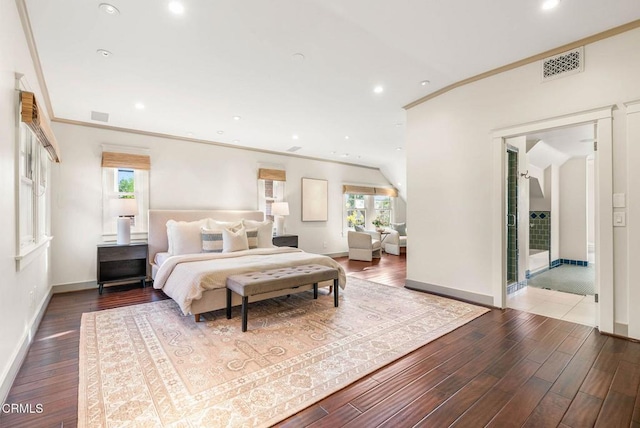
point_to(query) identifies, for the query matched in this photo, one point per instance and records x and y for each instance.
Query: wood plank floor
(506, 368)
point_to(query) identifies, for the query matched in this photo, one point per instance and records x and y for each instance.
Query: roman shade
(364, 190)
(37, 121)
(272, 174)
(125, 160)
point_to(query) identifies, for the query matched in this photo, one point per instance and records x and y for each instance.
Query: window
(125, 176)
(33, 176)
(269, 191)
(271, 183)
(382, 206)
(356, 211)
(363, 205)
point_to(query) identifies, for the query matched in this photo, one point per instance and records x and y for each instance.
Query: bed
(197, 280)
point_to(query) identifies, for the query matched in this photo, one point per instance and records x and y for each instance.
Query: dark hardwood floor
(506, 368)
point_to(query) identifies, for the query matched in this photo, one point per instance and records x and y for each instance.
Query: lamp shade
(123, 207)
(280, 208)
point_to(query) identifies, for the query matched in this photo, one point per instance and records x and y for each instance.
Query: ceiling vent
(100, 117)
(293, 149)
(564, 64)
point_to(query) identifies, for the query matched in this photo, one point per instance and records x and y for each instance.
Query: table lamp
(124, 209)
(279, 210)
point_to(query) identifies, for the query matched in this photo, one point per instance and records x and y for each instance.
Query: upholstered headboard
(157, 237)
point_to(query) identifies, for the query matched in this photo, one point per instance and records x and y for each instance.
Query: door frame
(603, 118)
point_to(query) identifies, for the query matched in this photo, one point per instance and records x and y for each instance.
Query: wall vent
(100, 117)
(564, 64)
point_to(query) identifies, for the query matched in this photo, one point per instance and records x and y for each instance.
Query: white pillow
(184, 237)
(265, 231)
(234, 240)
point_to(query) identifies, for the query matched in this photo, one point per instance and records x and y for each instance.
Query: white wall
(18, 309)
(450, 162)
(184, 175)
(573, 214)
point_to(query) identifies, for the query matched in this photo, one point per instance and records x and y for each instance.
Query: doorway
(557, 181)
(602, 119)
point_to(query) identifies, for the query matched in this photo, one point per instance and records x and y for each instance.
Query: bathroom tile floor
(555, 304)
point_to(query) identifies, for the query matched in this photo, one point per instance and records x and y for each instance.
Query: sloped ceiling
(194, 72)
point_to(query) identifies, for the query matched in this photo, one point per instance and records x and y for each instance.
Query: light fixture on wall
(279, 210)
(124, 209)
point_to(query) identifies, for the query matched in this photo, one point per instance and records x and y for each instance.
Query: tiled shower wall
(512, 211)
(540, 230)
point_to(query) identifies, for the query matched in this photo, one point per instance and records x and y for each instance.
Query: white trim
(555, 122)
(9, 376)
(131, 150)
(633, 213)
(456, 293)
(75, 286)
(633, 107)
(32, 252)
(603, 117)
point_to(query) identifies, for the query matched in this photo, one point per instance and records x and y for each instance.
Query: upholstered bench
(266, 281)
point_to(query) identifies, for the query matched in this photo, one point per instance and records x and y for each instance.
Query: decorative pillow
(184, 237)
(264, 231)
(234, 240)
(401, 228)
(358, 228)
(211, 240)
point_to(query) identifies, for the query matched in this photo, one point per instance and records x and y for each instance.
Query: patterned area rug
(150, 365)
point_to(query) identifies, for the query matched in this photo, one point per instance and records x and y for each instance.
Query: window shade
(272, 174)
(34, 118)
(364, 190)
(125, 160)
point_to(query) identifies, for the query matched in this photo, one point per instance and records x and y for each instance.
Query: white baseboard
(21, 352)
(621, 329)
(468, 296)
(74, 286)
(333, 255)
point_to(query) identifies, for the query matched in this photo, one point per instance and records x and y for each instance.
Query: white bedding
(185, 277)
(160, 258)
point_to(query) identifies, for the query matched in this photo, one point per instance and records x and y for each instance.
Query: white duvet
(184, 278)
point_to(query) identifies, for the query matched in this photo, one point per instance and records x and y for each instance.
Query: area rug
(148, 365)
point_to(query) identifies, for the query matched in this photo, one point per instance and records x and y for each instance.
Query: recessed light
(333, 152)
(298, 58)
(378, 89)
(399, 184)
(236, 118)
(346, 137)
(220, 132)
(550, 4)
(140, 106)
(425, 82)
(104, 53)
(398, 148)
(294, 136)
(344, 155)
(176, 7)
(189, 134)
(236, 141)
(109, 9)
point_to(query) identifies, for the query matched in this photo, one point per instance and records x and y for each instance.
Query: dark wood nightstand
(122, 263)
(286, 241)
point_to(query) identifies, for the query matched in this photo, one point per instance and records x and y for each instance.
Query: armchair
(394, 242)
(364, 245)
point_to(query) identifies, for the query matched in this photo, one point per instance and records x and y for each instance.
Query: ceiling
(559, 145)
(194, 72)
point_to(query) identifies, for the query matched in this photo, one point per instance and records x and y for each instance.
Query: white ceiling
(220, 59)
(559, 145)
